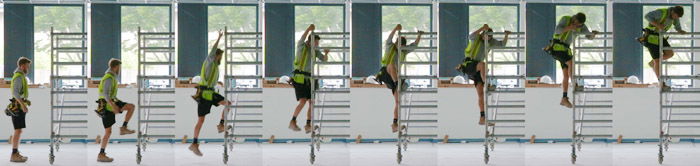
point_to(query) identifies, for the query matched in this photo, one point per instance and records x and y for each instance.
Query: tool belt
(14, 108)
(555, 45)
(102, 106)
(649, 36)
(465, 63)
(198, 95)
(300, 77)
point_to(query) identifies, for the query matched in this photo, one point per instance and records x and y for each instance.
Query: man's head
(317, 39)
(403, 41)
(219, 55)
(579, 19)
(23, 64)
(485, 34)
(676, 12)
(115, 65)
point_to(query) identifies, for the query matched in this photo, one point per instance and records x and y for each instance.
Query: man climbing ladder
(109, 105)
(559, 48)
(301, 79)
(473, 64)
(206, 96)
(660, 20)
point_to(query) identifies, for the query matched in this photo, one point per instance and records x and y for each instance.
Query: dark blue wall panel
(279, 43)
(105, 36)
(627, 25)
(366, 39)
(192, 38)
(539, 29)
(19, 36)
(454, 20)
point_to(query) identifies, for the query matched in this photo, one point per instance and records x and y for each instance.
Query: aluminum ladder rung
(681, 62)
(69, 121)
(420, 90)
(419, 106)
(70, 136)
(507, 121)
(244, 63)
(245, 90)
(157, 136)
(245, 106)
(593, 121)
(420, 135)
(246, 135)
(505, 106)
(334, 135)
(333, 90)
(680, 121)
(507, 90)
(70, 77)
(680, 77)
(156, 106)
(419, 63)
(332, 106)
(70, 63)
(680, 106)
(419, 121)
(69, 107)
(69, 91)
(507, 135)
(158, 91)
(157, 121)
(593, 106)
(332, 121)
(333, 63)
(595, 135)
(244, 121)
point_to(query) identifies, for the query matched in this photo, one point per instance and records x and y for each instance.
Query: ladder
(69, 79)
(243, 86)
(331, 106)
(592, 95)
(678, 96)
(504, 94)
(156, 88)
(418, 98)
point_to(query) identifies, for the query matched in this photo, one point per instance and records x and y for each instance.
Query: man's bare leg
(655, 63)
(129, 108)
(309, 112)
(480, 93)
(293, 123)
(195, 143)
(102, 156)
(394, 124)
(565, 85)
(225, 104)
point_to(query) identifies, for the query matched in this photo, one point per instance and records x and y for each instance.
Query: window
(2, 36)
(595, 20)
(235, 19)
(149, 19)
(500, 18)
(326, 18)
(686, 24)
(412, 18)
(62, 19)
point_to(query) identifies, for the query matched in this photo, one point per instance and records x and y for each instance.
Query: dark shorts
(470, 70)
(108, 117)
(18, 121)
(562, 57)
(204, 106)
(654, 48)
(303, 91)
(385, 78)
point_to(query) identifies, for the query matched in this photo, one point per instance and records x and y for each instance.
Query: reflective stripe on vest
(664, 15)
(389, 56)
(473, 48)
(113, 88)
(209, 79)
(25, 86)
(562, 37)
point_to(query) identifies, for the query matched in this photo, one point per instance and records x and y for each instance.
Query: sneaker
(293, 126)
(565, 102)
(102, 157)
(482, 121)
(220, 127)
(18, 158)
(124, 131)
(307, 128)
(195, 149)
(394, 127)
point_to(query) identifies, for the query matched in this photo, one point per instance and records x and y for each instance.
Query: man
(206, 96)
(109, 105)
(474, 66)
(388, 74)
(302, 75)
(18, 106)
(564, 33)
(660, 20)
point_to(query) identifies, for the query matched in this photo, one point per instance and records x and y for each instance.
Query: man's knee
(108, 131)
(129, 107)
(18, 131)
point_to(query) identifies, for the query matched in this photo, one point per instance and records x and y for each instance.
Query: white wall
(635, 114)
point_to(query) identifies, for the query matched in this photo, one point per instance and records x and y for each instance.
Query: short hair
(580, 17)
(316, 38)
(219, 52)
(678, 10)
(114, 62)
(23, 60)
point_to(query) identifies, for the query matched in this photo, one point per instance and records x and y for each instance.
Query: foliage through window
(62, 19)
(149, 19)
